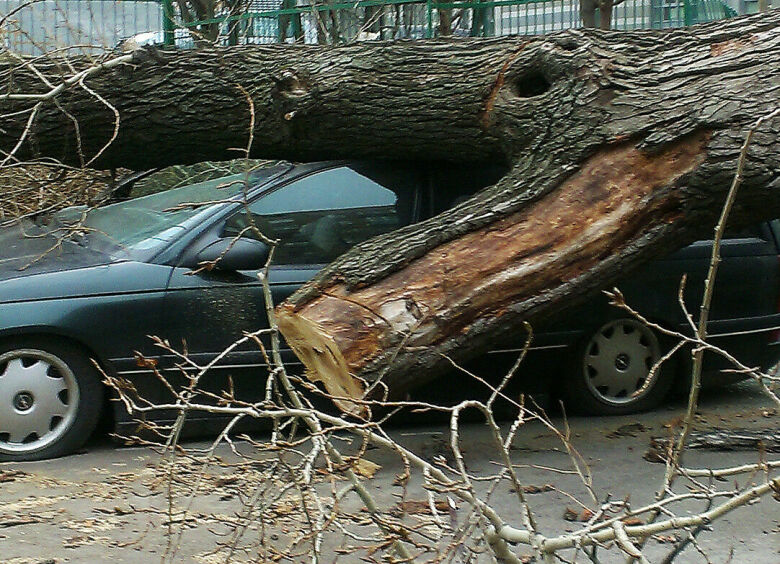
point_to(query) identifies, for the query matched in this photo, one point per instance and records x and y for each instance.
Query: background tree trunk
(445, 22)
(588, 12)
(620, 146)
(605, 14)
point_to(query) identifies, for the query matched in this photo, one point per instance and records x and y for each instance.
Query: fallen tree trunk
(621, 146)
(569, 222)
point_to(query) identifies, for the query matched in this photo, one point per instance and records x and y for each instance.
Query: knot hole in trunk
(290, 85)
(531, 83)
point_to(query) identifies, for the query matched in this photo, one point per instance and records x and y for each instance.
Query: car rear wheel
(613, 372)
(50, 400)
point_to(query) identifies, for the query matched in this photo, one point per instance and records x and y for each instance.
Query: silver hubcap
(618, 360)
(38, 400)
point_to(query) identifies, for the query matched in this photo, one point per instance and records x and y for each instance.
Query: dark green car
(79, 286)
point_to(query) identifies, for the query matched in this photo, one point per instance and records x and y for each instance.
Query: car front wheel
(50, 400)
(613, 370)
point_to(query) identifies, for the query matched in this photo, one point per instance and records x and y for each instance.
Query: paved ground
(110, 504)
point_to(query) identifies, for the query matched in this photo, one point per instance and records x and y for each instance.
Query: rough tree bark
(621, 146)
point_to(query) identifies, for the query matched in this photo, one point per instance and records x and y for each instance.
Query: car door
(746, 284)
(315, 219)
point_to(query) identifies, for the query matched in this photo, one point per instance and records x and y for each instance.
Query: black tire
(51, 398)
(609, 372)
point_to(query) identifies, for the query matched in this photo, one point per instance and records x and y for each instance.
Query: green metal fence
(334, 22)
(91, 25)
(84, 26)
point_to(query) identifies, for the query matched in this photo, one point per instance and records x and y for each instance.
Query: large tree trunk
(621, 146)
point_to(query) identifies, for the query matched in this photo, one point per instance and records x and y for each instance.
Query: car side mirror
(231, 254)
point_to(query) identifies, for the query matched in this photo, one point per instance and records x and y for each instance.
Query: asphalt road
(110, 503)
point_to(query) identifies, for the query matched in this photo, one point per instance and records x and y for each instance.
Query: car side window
(322, 215)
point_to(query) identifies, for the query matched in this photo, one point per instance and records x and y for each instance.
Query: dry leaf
(631, 521)
(12, 475)
(574, 515)
(655, 456)
(286, 507)
(226, 480)
(81, 540)
(628, 430)
(570, 514)
(7, 521)
(586, 515)
(365, 468)
(420, 506)
(535, 489)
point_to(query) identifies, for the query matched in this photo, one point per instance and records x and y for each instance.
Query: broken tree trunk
(620, 146)
(658, 153)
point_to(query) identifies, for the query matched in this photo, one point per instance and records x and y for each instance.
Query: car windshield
(146, 222)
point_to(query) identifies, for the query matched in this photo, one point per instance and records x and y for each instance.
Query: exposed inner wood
(596, 212)
(719, 49)
(322, 358)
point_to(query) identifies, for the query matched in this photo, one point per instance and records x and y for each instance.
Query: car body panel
(111, 309)
(230, 303)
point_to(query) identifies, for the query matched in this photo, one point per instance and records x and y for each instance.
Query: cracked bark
(620, 146)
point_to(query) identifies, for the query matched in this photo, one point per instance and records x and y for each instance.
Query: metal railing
(75, 25)
(333, 22)
(91, 25)
(362, 20)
